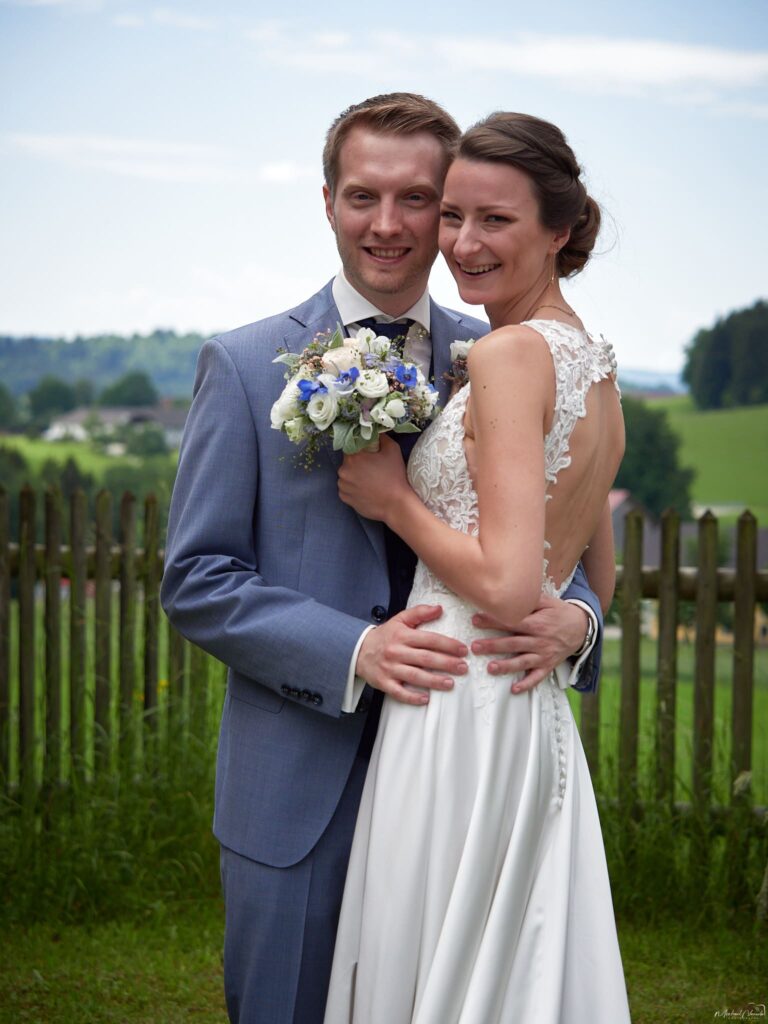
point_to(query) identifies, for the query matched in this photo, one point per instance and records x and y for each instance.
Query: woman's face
(491, 235)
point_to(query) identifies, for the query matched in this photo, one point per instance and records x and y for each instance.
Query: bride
(477, 889)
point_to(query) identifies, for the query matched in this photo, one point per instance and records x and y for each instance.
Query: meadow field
(727, 448)
(90, 460)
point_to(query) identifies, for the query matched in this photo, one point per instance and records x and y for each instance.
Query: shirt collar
(354, 307)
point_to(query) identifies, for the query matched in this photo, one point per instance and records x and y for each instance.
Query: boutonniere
(458, 375)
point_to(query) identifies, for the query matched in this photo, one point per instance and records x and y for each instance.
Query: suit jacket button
(378, 613)
(295, 692)
(317, 698)
(285, 690)
(306, 695)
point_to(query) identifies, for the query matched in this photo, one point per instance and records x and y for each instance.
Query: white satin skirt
(477, 889)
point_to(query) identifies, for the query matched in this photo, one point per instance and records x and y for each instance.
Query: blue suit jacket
(271, 573)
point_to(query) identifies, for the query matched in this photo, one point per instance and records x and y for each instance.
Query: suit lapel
(316, 315)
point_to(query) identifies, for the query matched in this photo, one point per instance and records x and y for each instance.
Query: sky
(160, 162)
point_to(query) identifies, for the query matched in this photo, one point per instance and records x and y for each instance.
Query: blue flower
(406, 375)
(349, 376)
(308, 388)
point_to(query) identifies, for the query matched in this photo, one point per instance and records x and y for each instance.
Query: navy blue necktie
(401, 561)
(395, 330)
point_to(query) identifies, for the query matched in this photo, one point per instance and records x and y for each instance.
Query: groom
(301, 598)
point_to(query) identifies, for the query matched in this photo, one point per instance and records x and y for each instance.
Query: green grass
(163, 970)
(36, 451)
(726, 448)
(89, 459)
(166, 969)
(610, 695)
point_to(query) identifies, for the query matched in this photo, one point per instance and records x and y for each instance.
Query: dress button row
(309, 696)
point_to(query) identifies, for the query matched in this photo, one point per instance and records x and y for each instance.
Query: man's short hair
(396, 113)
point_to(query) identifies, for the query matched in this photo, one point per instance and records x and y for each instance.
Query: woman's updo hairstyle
(540, 150)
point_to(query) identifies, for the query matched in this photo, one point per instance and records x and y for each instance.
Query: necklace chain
(547, 305)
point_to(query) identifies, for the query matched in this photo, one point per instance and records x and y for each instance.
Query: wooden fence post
(741, 719)
(5, 640)
(704, 679)
(667, 657)
(630, 659)
(127, 629)
(53, 695)
(151, 583)
(27, 678)
(103, 631)
(704, 696)
(743, 645)
(78, 527)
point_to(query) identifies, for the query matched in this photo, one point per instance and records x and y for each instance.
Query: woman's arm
(500, 571)
(599, 560)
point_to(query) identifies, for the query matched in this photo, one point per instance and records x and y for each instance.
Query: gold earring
(554, 264)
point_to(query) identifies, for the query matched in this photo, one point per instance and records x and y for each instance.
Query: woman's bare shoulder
(515, 341)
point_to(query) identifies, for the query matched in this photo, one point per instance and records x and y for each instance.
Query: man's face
(385, 214)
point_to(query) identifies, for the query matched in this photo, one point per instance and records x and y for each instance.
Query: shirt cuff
(355, 684)
(567, 674)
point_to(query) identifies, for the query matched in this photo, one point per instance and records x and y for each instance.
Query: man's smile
(386, 254)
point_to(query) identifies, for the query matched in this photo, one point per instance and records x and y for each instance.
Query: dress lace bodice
(438, 470)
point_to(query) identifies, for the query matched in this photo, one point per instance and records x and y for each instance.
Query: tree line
(51, 396)
(166, 357)
(727, 364)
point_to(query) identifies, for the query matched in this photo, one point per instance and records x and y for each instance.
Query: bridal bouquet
(351, 390)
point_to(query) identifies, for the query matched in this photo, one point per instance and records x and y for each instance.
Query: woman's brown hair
(540, 150)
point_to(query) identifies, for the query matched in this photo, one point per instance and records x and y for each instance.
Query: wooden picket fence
(73, 706)
(669, 584)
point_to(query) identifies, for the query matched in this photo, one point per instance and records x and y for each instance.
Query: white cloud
(128, 21)
(135, 158)
(174, 19)
(681, 72)
(331, 40)
(609, 62)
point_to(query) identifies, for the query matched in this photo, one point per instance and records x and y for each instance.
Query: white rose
(380, 414)
(372, 384)
(380, 346)
(396, 407)
(321, 409)
(287, 405)
(295, 429)
(341, 360)
(460, 349)
(364, 338)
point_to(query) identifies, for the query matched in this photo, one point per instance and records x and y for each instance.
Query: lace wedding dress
(477, 889)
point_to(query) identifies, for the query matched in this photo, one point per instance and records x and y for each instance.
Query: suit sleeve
(590, 669)
(212, 590)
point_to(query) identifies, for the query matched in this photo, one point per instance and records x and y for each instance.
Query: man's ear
(329, 207)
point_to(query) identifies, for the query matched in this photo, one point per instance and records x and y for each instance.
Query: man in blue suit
(300, 597)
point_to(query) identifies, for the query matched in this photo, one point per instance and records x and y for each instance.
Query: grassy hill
(728, 449)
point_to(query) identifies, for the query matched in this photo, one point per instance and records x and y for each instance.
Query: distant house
(79, 424)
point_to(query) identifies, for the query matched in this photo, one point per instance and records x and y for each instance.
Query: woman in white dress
(477, 889)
